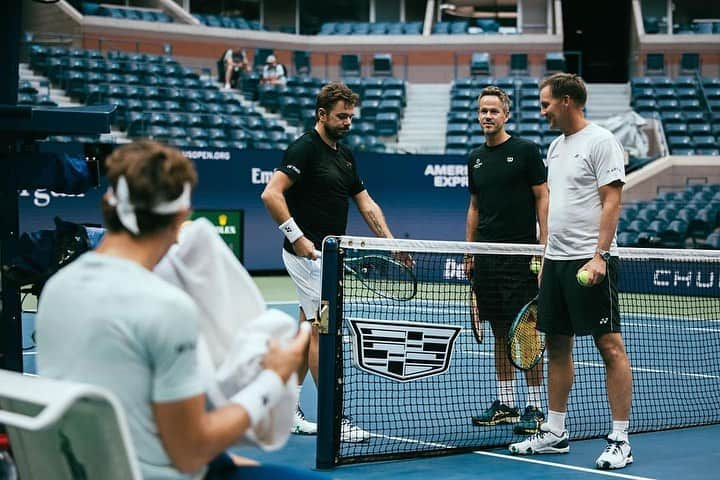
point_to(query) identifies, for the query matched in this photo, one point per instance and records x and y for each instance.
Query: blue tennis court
(688, 453)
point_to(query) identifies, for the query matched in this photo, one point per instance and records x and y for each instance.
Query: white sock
(620, 430)
(299, 391)
(556, 421)
(506, 392)
(534, 396)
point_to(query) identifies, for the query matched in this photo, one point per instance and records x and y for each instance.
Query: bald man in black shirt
(308, 196)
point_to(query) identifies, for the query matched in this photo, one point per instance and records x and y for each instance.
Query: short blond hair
(493, 91)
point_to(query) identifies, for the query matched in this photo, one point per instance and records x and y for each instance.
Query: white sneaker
(303, 426)
(227, 86)
(352, 434)
(617, 454)
(544, 441)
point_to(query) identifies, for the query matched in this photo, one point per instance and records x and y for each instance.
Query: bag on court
(41, 254)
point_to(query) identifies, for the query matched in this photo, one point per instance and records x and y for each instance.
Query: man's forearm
(609, 216)
(376, 221)
(471, 224)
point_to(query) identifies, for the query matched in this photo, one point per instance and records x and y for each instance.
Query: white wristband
(260, 396)
(291, 230)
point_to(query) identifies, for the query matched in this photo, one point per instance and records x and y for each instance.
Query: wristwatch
(604, 254)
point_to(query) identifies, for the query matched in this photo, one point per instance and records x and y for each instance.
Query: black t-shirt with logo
(502, 177)
(324, 179)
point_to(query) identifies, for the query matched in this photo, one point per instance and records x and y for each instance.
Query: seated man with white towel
(107, 319)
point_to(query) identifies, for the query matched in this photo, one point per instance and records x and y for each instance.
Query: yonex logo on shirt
(294, 169)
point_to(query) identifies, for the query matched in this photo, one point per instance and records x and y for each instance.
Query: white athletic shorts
(307, 276)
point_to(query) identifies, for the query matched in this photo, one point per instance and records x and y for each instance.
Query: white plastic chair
(65, 430)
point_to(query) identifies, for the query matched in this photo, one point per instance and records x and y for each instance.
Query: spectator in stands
(508, 197)
(586, 175)
(273, 73)
(308, 198)
(236, 64)
(106, 319)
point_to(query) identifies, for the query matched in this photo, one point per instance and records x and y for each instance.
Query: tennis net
(412, 372)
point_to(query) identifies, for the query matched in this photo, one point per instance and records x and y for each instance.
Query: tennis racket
(383, 276)
(478, 327)
(525, 343)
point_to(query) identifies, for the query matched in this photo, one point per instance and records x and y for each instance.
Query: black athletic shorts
(502, 285)
(567, 308)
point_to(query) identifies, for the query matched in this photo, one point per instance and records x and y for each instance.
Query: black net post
(330, 357)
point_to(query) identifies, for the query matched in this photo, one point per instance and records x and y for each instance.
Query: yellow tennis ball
(583, 278)
(535, 265)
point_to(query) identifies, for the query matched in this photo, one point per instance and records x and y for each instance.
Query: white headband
(120, 199)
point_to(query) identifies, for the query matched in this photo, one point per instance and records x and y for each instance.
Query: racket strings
(526, 342)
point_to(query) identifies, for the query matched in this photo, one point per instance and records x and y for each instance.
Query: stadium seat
(441, 28)
(655, 64)
(301, 62)
(480, 64)
(712, 240)
(636, 226)
(343, 28)
(378, 28)
(350, 65)
(327, 28)
(651, 25)
(689, 63)
(382, 65)
(627, 239)
(519, 64)
(90, 8)
(554, 62)
(390, 106)
(488, 25)
(412, 28)
(360, 28)
(706, 143)
(459, 27)
(704, 222)
(387, 123)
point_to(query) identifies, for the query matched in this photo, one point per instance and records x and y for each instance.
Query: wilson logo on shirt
(510, 159)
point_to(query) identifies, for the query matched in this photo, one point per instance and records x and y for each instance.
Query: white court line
(674, 318)
(653, 370)
(674, 327)
(634, 369)
(411, 440)
(567, 467)
(519, 459)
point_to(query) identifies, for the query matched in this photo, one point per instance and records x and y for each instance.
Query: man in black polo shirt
(308, 197)
(508, 192)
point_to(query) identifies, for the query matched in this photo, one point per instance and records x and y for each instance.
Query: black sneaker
(497, 413)
(530, 421)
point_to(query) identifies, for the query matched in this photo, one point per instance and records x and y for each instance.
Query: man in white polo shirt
(585, 178)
